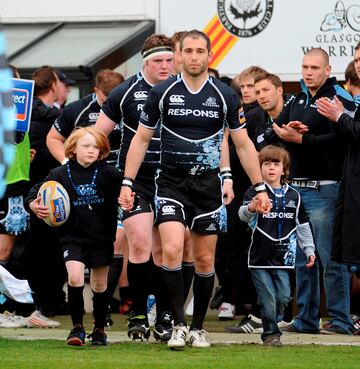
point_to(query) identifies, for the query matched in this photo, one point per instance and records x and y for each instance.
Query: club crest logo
(245, 18)
(341, 18)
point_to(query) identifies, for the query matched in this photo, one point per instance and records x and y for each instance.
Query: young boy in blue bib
(275, 238)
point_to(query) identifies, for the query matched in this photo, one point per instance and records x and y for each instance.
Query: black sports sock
(125, 294)
(173, 280)
(203, 286)
(76, 304)
(114, 274)
(188, 275)
(159, 289)
(139, 276)
(100, 306)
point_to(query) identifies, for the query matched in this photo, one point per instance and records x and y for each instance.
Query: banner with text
(273, 34)
(22, 98)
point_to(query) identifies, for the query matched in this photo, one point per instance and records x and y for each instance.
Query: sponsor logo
(93, 117)
(140, 95)
(211, 227)
(291, 204)
(140, 107)
(211, 102)
(59, 210)
(66, 253)
(168, 210)
(301, 101)
(245, 18)
(194, 112)
(20, 98)
(144, 116)
(260, 138)
(177, 100)
(138, 208)
(273, 214)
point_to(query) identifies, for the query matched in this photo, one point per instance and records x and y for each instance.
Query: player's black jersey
(124, 106)
(192, 124)
(82, 113)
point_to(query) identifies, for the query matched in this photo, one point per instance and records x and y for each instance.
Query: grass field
(52, 354)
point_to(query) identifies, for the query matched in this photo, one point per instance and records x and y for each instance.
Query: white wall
(77, 10)
(294, 26)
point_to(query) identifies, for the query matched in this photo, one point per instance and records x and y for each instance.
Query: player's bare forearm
(225, 153)
(249, 160)
(137, 151)
(55, 144)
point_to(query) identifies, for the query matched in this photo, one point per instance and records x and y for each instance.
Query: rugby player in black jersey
(123, 108)
(192, 110)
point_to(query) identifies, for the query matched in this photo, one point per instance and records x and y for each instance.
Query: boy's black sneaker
(138, 327)
(76, 336)
(163, 327)
(98, 337)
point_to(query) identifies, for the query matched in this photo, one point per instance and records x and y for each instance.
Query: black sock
(138, 276)
(159, 290)
(173, 279)
(114, 274)
(188, 275)
(203, 286)
(125, 294)
(100, 306)
(76, 304)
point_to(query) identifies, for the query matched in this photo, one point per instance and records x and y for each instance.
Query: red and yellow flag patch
(221, 40)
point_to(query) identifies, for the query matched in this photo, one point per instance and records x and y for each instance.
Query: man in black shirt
(122, 109)
(192, 110)
(317, 154)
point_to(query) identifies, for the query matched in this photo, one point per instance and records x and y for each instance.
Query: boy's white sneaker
(197, 338)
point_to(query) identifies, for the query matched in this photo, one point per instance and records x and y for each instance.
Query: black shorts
(92, 256)
(144, 187)
(193, 200)
(18, 189)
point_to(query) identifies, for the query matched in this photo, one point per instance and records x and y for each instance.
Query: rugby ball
(54, 196)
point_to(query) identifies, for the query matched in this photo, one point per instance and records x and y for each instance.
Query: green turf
(51, 354)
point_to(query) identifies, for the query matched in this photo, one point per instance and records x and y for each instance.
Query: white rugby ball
(54, 196)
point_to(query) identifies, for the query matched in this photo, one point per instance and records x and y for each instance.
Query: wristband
(127, 182)
(225, 173)
(260, 187)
